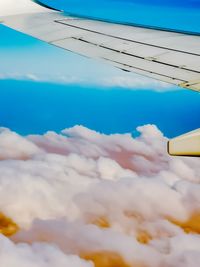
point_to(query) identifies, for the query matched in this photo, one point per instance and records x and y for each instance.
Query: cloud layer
(81, 198)
(126, 81)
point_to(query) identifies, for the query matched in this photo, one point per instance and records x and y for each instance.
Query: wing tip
(187, 145)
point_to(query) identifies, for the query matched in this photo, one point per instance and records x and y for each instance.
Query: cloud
(41, 78)
(13, 145)
(36, 255)
(82, 198)
(126, 81)
(136, 81)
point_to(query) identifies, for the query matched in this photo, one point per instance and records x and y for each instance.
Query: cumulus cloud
(82, 198)
(13, 145)
(36, 255)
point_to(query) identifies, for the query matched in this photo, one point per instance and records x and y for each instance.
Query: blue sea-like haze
(28, 107)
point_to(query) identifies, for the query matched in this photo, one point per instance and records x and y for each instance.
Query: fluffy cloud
(82, 198)
(14, 146)
(36, 255)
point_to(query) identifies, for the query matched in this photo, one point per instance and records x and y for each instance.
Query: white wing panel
(166, 39)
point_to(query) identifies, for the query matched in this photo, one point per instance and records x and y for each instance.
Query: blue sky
(177, 14)
(44, 88)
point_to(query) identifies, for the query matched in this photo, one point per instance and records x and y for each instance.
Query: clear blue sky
(43, 88)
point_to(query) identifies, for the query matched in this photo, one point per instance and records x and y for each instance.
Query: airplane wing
(162, 54)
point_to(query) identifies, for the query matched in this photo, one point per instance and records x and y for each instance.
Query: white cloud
(13, 145)
(126, 81)
(136, 81)
(107, 198)
(37, 255)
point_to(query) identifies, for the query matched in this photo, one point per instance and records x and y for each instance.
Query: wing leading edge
(168, 56)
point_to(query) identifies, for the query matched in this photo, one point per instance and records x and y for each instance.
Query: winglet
(185, 145)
